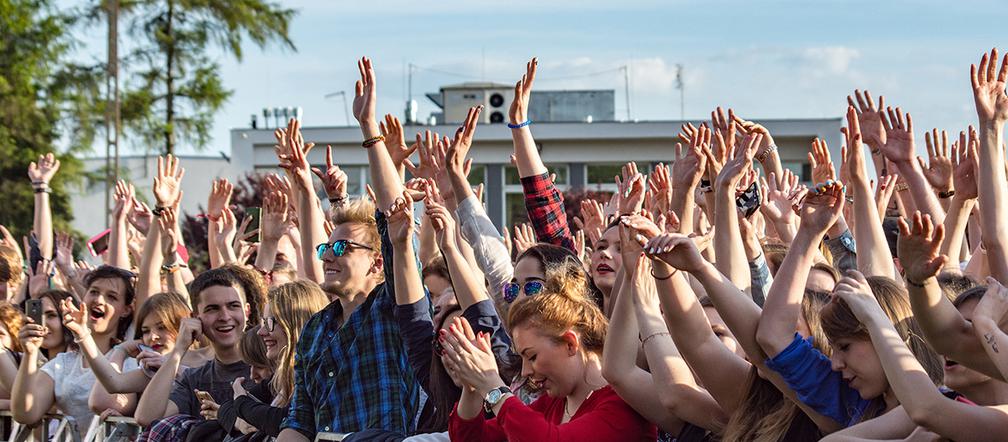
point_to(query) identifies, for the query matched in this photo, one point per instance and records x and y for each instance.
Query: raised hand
(884, 192)
(776, 204)
(190, 330)
(749, 128)
(726, 128)
(458, 149)
(690, 161)
(400, 219)
(594, 220)
(989, 90)
(395, 141)
(854, 162)
(822, 164)
(966, 159)
(40, 278)
(365, 94)
(938, 169)
(123, 197)
(660, 186)
(853, 289)
(168, 181)
(41, 172)
(631, 189)
(64, 251)
(444, 224)
(334, 180)
(676, 250)
(220, 197)
(740, 163)
(140, 216)
(275, 216)
(524, 238)
(74, 319)
(523, 90)
(869, 117)
(822, 207)
(169, 235)
(426, 143)
(295, 161)
(918, 247)
(899, 145)
(31, 335)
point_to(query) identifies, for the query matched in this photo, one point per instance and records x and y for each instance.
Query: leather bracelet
(946, 194)
(45, 189)
(338, 200)
(663, 278)
(917, 284)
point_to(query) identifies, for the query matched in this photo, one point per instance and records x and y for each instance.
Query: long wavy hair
(292, 305)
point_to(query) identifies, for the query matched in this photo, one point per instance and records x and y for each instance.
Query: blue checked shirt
(357, 376)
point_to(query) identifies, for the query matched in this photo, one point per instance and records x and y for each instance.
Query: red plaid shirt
(545, 207)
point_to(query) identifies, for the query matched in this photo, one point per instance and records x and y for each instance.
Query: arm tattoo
(989, 337)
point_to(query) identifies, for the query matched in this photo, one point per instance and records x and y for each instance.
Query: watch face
(493, 396)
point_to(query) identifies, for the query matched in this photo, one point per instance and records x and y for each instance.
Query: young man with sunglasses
(351, 371)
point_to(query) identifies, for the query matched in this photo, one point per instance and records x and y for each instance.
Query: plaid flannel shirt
(545, 207)
(357, 376)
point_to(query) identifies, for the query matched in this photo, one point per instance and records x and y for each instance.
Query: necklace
(571, 415)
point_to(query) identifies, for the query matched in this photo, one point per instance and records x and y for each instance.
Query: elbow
(144, 417)
(924, 413)
(675, 397)
(612, 375)
(768, 339)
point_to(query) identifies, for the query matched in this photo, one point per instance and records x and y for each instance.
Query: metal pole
(626, 89)
(112, 114)
(682, 91)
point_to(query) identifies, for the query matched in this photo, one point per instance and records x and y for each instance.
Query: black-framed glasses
(339, 247)
(268, 324)
(512, 289)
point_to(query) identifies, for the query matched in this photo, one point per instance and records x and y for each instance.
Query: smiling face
(358, 269)
(860, 366)
(223, 314)
(555, 365)
(274, 340)
(106, 304)
(155, 335)
(606, 260)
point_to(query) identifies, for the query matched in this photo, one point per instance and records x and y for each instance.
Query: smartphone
(256, 214)
(145, 348)
(33, 307)
(203, 396)
(99, 243)
(749, 201)
(34, 253)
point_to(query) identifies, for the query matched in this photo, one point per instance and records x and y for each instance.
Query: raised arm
(311, 219)
(526, 153)
(41, 173)
(869, 120)
(899, 149)
(408, 285)
(779, 321)
(154, 404)
(766, 154)
(911, 384)
(275, 221)
(728, 247)
(965, 161)
(776, 207)
(468, 289)
(32, 395)
(384, 174)
(992, 110)
(988, 318)
(874, 257)
(219, 198)
(687, 171)
(118, 251)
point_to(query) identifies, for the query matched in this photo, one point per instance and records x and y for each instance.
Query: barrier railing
(329, 436)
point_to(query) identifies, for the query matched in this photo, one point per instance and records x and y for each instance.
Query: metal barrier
(330, 436)
(14, 431)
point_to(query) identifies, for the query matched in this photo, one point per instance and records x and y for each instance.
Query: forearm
(428, 241)
(29, 400)
(955, 230)
(526, 153)
(266, 255)
(738, 310)
(149, 277)
(312, 230)
(993, 340)
(923, 195)
(216, 260)
(991, 188)
(408, 285)
(470, 404)
(683, 204)
(153, 404)
(42, 224)
(118, 251)
(621, 342)
(489, 251)
(728, 246)
(909, 381)
(385, 178)
(874, 257)
(468, 289)
(783, 305)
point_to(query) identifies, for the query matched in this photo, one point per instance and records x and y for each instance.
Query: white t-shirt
(72, 385)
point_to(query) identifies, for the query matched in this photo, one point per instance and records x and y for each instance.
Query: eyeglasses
(511, 290)
(339, 247)
(268, 324)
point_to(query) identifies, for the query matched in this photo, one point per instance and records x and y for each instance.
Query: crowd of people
(714, 298)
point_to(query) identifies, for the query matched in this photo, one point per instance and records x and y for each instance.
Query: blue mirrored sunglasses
(512, 289)
(339, 247)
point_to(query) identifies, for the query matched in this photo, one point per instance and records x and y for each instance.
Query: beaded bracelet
(373, 140)
(762, 155)
(520, 125)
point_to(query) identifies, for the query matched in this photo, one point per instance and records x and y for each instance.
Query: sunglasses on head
(339, 247)
(512, 289)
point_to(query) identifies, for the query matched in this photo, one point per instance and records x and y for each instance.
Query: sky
(766, 59)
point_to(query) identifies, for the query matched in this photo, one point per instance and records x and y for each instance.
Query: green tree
(47, 104)
(176, 89)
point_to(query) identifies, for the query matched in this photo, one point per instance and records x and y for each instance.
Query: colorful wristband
(373, 140)
(520, 125)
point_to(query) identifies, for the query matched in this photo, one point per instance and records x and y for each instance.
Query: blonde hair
(12, 320)
(292, 305)
(360, 211)
(563, 305)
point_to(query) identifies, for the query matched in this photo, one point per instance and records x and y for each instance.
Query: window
(511, 175)
(602, 174)
(800, 168)
(477, 175)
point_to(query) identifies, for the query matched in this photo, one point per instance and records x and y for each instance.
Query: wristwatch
(493, 397)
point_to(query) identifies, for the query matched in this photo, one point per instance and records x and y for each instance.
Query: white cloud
(832, 59)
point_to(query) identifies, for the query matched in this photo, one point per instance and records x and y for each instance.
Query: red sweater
(602, 417)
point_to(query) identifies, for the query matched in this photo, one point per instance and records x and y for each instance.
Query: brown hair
(10, 265)
(253, 349)
(12, 320)
(254, 286)
(169, 308)
(292, 305)
(437, 267)
(563, 305)
(360, 211)
(56, 297)
(839, 322)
